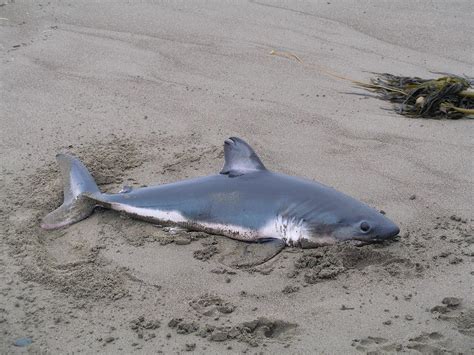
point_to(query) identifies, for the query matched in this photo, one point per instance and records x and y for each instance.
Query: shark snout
(384, 230)
(389, 231)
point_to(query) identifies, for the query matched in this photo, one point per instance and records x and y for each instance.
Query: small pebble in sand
(387, 322)
(190, 347)
(109, 339)
(218, 336)
(455, 218)
(444, 254)
(290, 289)
(409, 317)
(413, 197)
(451, 301)
(22, 342)
(182, 241)
(206, 253)
(439, 309)
(455, 260)
(345, 308)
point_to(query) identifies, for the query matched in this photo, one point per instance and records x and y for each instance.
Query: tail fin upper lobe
(79, 186)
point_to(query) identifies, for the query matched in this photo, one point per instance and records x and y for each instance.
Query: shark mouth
(362, 242)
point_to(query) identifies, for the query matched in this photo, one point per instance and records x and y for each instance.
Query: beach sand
(146, 92)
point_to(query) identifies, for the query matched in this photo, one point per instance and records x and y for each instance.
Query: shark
(244, 201)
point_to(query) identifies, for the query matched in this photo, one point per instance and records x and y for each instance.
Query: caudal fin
(79, 186)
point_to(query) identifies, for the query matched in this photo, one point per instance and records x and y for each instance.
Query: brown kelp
(449, 96)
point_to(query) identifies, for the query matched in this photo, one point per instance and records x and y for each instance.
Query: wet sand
(146, 93)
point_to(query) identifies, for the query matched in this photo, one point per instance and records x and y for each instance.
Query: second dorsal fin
(240, 158)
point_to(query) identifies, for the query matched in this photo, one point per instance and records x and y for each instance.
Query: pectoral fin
(240, 254)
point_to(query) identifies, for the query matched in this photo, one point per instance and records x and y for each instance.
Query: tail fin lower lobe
(79, 186)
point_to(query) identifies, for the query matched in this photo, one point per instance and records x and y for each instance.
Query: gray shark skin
(245, 201)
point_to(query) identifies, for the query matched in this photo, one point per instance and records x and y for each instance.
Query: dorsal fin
(240, 158)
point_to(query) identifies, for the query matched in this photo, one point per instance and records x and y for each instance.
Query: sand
(146, 92)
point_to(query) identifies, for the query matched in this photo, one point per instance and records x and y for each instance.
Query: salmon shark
(245, 201)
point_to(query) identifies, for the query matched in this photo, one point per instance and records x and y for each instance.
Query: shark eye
(364, 227)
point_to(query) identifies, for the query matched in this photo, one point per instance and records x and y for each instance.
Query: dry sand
(145, 92)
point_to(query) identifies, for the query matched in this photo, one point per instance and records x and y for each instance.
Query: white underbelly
(175, 217)
(290, 230)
